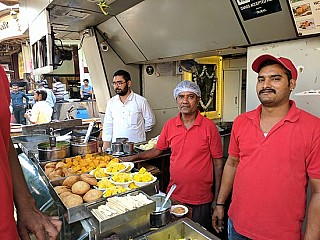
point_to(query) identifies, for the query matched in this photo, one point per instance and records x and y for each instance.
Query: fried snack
(60, 165)
(72, 200)
(69, 181)
(105, 183)
(50, 165)
(61, 189)
(68, 172)
(80, 187)
(54, 175)
(92, 195)
(64, 195)
(48, 170)
(89, 179)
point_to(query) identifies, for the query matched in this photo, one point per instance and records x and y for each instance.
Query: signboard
(306, 15)
(250, 9)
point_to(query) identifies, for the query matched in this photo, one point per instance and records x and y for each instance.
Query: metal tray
(131, 223)
(81, 212)
(181, 229)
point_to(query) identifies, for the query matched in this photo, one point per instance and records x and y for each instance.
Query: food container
(78, 147)
(126, 225)
(117, 147)
(128, 147)
(122, 140)
(60, 151)
(184, 228)
(160, 218)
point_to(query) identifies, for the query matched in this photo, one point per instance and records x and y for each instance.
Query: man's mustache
(267, 90)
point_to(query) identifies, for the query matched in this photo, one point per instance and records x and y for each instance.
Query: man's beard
(123, 92)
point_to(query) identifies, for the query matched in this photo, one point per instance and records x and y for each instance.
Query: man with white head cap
(273, 152)
(195, 162)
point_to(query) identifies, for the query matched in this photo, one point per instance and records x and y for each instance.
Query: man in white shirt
(127, 114)
(41, 111)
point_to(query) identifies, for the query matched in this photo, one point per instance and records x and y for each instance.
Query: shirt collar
(197, 122)
(129, 98)
(291, 116)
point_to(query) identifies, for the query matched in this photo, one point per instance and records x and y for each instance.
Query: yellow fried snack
(122, 177)
(99, 173)
(114, 190)
(114, 167)
(105, 183)
(132, 186)
(143, 177)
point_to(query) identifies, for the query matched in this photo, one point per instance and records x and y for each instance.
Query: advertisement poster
(306, 15)
(256, 8)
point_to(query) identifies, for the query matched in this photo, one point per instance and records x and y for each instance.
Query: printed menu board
(250, 9)
(306, 15)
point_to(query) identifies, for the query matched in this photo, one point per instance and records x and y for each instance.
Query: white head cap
(186, 86)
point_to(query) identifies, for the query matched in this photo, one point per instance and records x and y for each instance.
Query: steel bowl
(78, 147)
(60, 151)
(117, 147)
(160, 218)
(128, 147)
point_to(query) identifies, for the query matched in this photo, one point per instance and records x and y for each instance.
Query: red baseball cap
(285, 62)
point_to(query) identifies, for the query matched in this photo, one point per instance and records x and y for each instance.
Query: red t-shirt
(269, 190)
(191, 165)
(8, 229)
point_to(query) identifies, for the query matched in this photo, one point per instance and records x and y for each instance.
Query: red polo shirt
(269, 190)
(191, 166)
(8, 229)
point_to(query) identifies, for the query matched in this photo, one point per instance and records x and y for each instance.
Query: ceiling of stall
(142, 31)
(154, 31)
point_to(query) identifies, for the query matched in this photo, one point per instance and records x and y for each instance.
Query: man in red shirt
(13, 188)
(195, 162)
(274, 150)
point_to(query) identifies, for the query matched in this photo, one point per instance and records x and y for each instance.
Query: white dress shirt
(41, 112)
(131, 119)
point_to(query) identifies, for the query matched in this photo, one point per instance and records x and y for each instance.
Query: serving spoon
(173, 187)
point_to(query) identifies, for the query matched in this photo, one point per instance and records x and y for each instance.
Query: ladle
(173, 187)
(88, 132)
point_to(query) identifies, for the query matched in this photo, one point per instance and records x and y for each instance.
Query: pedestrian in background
(86, 91)
(18, 104)
(58, 89)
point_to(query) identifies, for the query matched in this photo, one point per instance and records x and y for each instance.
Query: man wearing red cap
(274, 150)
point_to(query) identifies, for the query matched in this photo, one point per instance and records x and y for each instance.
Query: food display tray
(184, 228)
(131, 223)
(81, 212)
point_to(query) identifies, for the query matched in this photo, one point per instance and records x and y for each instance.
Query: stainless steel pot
(160, 218)
(117, 147)
(128, 147)
(122, 140)
(60, 151)
(78, 147)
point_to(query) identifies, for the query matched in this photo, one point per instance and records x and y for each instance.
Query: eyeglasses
(118, 83)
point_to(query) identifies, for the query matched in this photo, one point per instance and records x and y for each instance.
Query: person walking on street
(18, 105)
(274, 151)
(127, 114)
(196, 155)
